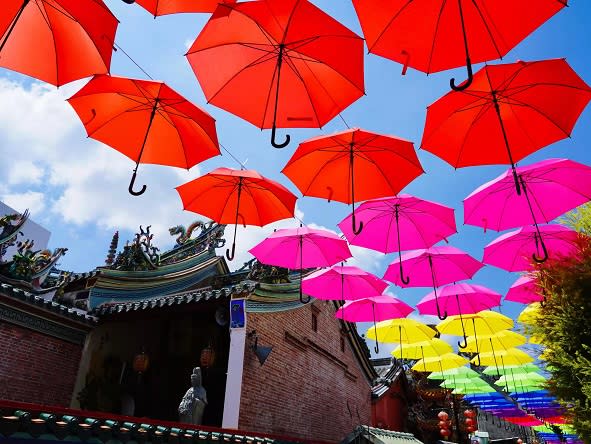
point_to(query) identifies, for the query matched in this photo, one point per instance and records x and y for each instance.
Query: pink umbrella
(458, 299)
(512, 251)
(525, 290)
(299, 248)
(375, 308)
(400, 223)
(342, 282)
(435, 266)
(550, 188)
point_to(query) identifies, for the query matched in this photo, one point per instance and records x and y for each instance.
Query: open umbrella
(458, 299)
(549, 189)
(434, 267)
(278, 64)
(435, 35)
(424, 349)
(231, 196)
(525, 290)
(460, 372)
(523, 377)
(342, 282)
(400, 223)
(147, 121)
(501, 340)
(515, 369)
(444, 362)
(300, 248)
(507, 113)
(513, 356)
(352, 166)
(515, 250)
(57, 41)
(375, 308)
(401, 331)
(164, 7)
(530, 315)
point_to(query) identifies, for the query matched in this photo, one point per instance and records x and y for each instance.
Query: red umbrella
(57, 41)
(278, 63)
(163, 7)
(230, 196)
(435, 35)
(507, 113)
(147, 121)
(353, 165)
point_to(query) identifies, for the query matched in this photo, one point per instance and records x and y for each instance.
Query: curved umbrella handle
(377, 348)
(274, 142)
(356, 230)
(132, 183)
(302, 300)
(129, 2)
(467, 82)
(463, 344)
(230, 256)
(404, 280)
(479, 362)
(544, 258)
(444, 317)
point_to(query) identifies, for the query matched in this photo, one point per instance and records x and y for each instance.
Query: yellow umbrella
(475, 324)
(424, 349)
(530, 314)
(513, 356)
(402, 331)
(501, 340)
(440, 363)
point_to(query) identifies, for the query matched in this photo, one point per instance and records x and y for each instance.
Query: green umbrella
(473, 390)
(462, 372)
(521, 377)
(460, 382)
(511, 369)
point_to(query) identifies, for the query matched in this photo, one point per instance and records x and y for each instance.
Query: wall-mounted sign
(237, 315)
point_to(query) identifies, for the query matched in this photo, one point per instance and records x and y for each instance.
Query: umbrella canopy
(231, 196)
(439, 363)
(147, 121)
(457, 299)
(448, 34)
(278, 64)
(530, 314)
(342, 282)
(507, 113)
(525, 290)
(353, 165)
(424, 349)
(401, 331)
(501, 340)
(511, 369)
(513, 356)
(474, 324)
(461, 372)
(57, 41)
(473, 389)
(299, 248)
(521, 377)
(550, 188)
(519, 249)
(164, 7)
(434, 267)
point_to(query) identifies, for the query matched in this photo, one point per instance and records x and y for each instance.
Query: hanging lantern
(469, 413)
(443, 424)
(445, 432)
(443, 416)
(520, 441)
(141, 362)
(469, 422)
(207, 357)
(470, 429)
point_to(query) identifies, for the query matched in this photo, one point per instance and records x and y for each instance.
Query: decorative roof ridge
(195, 295)
(389, 433)
(46, 304)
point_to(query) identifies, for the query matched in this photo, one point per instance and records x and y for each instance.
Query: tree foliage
(563, 325)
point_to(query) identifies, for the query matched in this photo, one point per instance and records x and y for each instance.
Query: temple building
(124, 338)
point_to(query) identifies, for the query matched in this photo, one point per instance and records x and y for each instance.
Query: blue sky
(394, 104)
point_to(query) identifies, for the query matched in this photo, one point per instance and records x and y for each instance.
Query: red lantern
(445, 432)
(443, 424)
(141, 362)
(470, 429)
(469, 413)
(443, 416)
(470, 422)
(520, 441)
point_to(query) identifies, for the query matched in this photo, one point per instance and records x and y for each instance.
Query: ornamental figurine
(193, 403)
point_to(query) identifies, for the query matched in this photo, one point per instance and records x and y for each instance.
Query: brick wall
(303, 388)
(36, 368)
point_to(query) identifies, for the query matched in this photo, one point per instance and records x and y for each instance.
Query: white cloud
(34, 201)
(25, 172)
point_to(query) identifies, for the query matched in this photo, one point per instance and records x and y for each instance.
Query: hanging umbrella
(401, 331)
(501, 340)
(433, 36)
(400, 223)
(530, 315)
(376, 308)
(549, 189)
(147, 121)
(458, 299)
(507, 113)
(484, 322)
(164, 7)
(464, 383)
(524, 290)
(515, 250)
(342, 282)
(434, 267)
(278, 64)
(57, 41)
(523, 377)
(461, 372)
(424, 349)
(300, 248)
(352, 166)
(237, 196)
(444, 362)
(515, 369)
(473, 389)
(513, 356)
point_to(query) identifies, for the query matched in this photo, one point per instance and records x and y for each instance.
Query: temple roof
(366, 434)
(388, 371)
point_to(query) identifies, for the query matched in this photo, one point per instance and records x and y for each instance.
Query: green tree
(563, 325)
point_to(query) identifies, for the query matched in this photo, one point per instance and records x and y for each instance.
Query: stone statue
(193, 403)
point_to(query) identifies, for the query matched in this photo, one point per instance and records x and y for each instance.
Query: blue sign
(237, 315)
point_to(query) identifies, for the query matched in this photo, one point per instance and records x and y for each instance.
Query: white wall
(31, 230)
